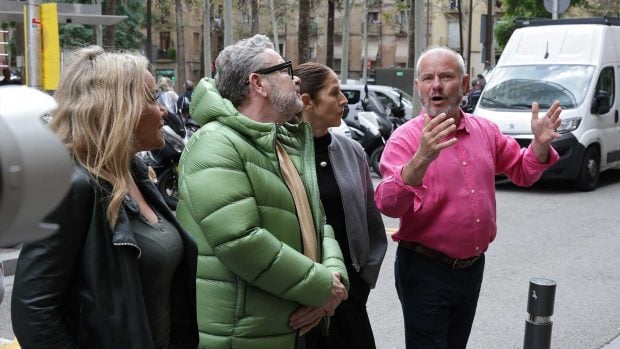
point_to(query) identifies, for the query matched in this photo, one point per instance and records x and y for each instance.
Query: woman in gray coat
(347, 196)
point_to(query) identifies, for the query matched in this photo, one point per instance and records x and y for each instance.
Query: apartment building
(387, 39)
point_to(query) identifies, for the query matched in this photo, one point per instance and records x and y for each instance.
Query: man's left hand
(544, 129)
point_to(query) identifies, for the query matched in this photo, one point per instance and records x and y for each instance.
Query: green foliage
(75, 35)
(128, 34)
(402, 5)
(523, 9)
(503, 30)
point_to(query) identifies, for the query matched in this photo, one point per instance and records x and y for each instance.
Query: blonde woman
(120, 271)
(167, 97)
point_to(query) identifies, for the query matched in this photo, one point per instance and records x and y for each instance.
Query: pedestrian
(167, 97)
(120, 271)
(270, 268)
(184, 101)
(347, 196)
(6, 73)
(473, 96)
(439, 179)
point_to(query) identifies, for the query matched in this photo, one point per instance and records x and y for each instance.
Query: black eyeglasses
(278, 67)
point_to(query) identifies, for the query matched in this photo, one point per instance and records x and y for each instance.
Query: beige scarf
(304, 214)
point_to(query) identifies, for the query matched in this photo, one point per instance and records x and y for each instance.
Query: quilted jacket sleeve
(332, 255)
(221, 210)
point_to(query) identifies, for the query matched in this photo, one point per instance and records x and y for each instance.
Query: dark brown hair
(313, 77)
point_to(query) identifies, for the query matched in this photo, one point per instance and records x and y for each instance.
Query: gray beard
(285, 103)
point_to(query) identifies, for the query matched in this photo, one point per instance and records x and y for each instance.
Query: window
(606, 83)
(454, 4)
(352, 96)
(454, 36)
(373, 17)
(164, 41)
(196, 40)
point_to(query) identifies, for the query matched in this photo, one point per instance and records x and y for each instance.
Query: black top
(162, 252)
(331, 197)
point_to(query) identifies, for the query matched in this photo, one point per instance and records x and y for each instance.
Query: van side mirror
(600, 103)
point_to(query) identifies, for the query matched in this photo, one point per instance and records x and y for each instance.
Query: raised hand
(433, 134)
(544, 129)
(432, 142)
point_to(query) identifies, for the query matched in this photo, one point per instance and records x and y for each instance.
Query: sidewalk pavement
(8, 258)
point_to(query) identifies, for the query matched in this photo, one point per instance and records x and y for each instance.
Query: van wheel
(590, 170)
(375, 158)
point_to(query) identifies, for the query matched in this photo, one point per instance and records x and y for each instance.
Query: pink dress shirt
(453, 211)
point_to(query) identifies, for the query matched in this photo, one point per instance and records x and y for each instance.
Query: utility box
(401, 78)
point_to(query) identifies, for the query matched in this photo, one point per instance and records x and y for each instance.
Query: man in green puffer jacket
(269, 268)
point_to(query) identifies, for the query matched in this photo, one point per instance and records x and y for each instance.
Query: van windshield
(516, 87)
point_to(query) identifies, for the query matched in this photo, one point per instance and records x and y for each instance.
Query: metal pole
(228, 24)
(555, 8)
(99, 29)
(541, 297)
(206, 37)
(274, 27)
(420, 42)
(344, 62)
(365, 25)
(33, 44)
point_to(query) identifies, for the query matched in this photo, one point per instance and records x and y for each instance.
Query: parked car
(381, 99)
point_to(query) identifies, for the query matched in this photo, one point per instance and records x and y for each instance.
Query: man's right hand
(305, 318)
(338, 294)
(432, 142)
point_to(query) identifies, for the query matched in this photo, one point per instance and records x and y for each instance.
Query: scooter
(165, 163)
(366, 130)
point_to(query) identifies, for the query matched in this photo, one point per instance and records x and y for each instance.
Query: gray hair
(235, 64)
(438, 51)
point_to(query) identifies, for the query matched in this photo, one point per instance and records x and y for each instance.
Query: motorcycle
(366, 129)
(165, 163)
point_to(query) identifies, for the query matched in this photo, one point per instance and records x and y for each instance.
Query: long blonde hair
(100, 98)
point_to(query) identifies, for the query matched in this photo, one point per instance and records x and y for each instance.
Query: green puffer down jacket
(252, 274)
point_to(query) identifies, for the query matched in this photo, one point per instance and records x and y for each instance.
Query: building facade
(386, 45)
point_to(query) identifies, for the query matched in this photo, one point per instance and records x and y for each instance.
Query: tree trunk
(330, 34)
(181, 75)
(411, 50)
(303, 32)
(109, 8)
(254, 5)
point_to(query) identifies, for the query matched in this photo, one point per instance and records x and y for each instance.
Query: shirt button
(464, 163)
(477, 220)
(473, 191)
(477, 248)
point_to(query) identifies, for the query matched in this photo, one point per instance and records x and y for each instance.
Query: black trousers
(350, 325)
(439, 303)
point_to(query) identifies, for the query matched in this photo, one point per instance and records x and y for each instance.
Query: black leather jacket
(80, 287)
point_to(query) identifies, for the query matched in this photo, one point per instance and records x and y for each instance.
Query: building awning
(67, 13)
(373, 49)
(402, 49)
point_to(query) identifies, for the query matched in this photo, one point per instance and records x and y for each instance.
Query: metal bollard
(541, 297)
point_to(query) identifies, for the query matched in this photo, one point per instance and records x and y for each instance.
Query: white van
(575, 61)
